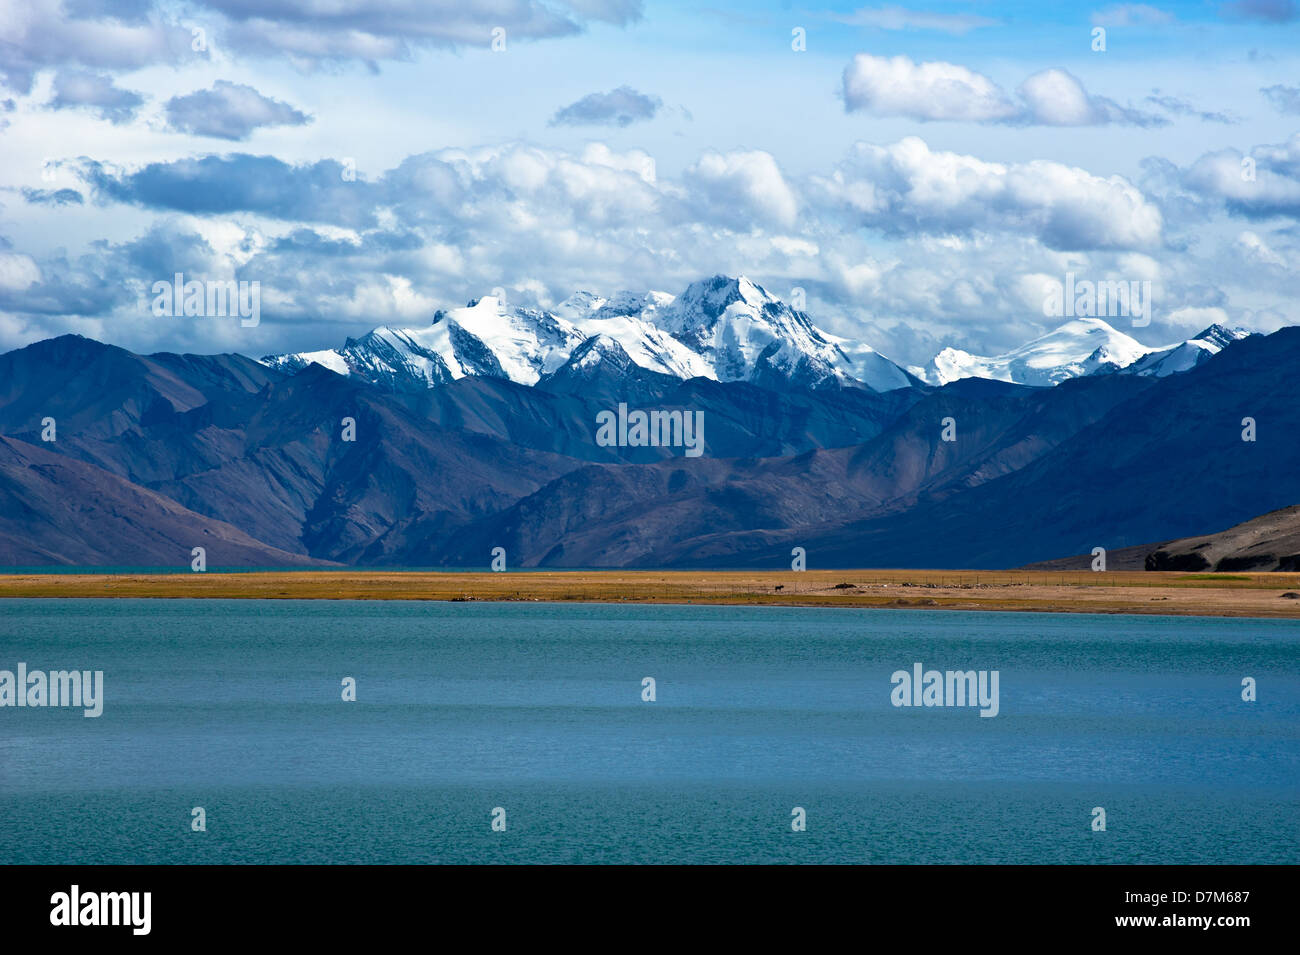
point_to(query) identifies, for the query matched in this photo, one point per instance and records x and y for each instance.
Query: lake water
(236, 706)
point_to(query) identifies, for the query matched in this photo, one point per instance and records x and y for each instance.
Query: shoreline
(1118, 592)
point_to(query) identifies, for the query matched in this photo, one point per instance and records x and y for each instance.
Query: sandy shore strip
(1220, 595)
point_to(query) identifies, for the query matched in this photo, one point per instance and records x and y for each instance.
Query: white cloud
(740, 186)
(95, 91)
(909, 246)
(932, 91)
(929, 91)
(1254, 247)
(311, 32)
(1263, 184)
(229, 111)
(1194, 320)
(1056, 98)
(907, 186)
(38, 34)
(619, 107)
(18, 272)
(635, 161)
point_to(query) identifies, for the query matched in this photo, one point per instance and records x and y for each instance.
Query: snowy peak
(650, 347)
(598, 366)
(1185, 356)
(695, 314)
(1221, 336)
(726, 329)
(484, 338)
(642, 304)
(526, 342)
(747, 334)
(584, 305)
(596, 352)
(580, 305)
(705, 301)
(1082, 346)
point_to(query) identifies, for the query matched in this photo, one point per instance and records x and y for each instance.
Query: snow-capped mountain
(628, 318)
(747, 334)
(1185, 355)
(483, 338)
(727, 329)
(1083, 346)
(1079, 347)
(601, 368)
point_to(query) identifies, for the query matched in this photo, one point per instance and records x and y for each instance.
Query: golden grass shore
(1220, 595)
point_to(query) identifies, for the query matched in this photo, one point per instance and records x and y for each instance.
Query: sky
(925, 174)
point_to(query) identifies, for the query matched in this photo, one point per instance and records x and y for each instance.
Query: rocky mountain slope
(1269, 542)
(283, 461)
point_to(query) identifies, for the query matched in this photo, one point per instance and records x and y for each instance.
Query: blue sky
(925, 171)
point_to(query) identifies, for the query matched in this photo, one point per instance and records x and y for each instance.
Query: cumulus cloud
(521, 187)
(229, 111)
(120, 35)
(468, 195)
(932, 91)
(1263, 184)
(369, 31)
(907, 186)
(17, 272)
(40, 34)
(927, 91)
(453, 223)
(744, 187)
(967, 240)
(94, 91)
(262, 185)
(619, 107)
(1194, 319)
(57, 286)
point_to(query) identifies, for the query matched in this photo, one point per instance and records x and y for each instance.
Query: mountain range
(1083, 346)
(432, 446)
(724, 329)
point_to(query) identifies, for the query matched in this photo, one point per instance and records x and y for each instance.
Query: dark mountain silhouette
(712, 512)
(857, 477)
(741, 419)
(57, 510)
(1164, 464)
(273, 460)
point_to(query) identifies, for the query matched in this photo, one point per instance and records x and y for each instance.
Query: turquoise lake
(236, 706)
